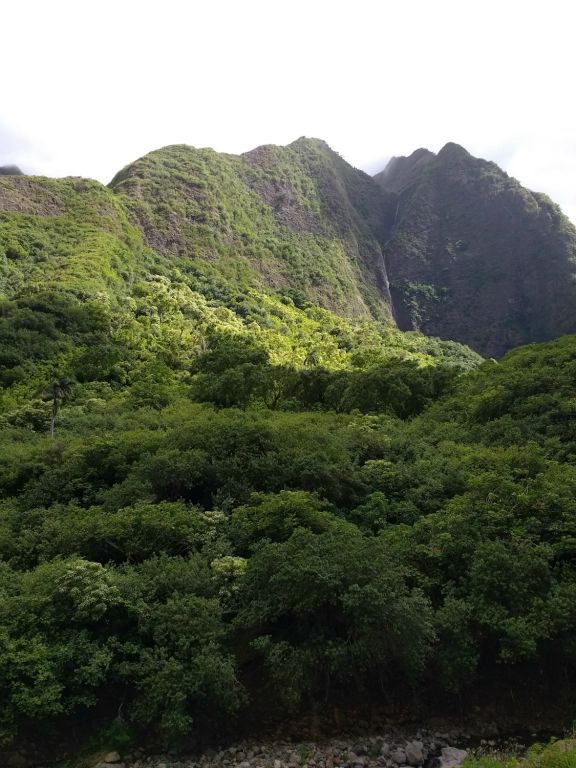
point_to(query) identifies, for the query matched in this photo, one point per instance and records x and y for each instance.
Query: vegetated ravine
(250, 471)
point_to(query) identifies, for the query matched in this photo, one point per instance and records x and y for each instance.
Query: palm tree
(312, 358)
(59, 391)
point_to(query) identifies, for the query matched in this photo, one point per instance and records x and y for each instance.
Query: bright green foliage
(178, 667)
(331, 609)
(275, 517)
(247, 497)
(177, 548)
(295, 217)
(556, 754)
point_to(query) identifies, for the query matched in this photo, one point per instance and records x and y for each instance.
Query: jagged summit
(476, 257)
(451, 151)
(401, 172)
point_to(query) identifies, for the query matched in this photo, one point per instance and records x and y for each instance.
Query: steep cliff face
(473, 256)
(295, 218)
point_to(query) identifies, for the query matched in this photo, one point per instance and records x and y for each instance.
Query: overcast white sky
(88, 86)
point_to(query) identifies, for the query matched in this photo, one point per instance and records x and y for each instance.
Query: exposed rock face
(30, 196)
(475, 257)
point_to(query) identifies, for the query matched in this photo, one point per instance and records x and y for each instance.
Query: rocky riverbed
(422, 750)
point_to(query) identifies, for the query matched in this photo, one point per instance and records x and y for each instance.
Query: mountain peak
(444, 243)
(310, 141)
(475, 257)
(10, 170)
(453, 151)
(298, 217)
(401, 172)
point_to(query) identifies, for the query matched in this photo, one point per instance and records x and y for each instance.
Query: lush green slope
(293, 218)
(83, 297)
(471, 255)
(113, 342)
(202, 562)
(250, 505)
(474, 256)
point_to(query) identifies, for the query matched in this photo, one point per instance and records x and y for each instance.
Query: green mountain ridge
(287, 217)
(446, 244)
(86, 296)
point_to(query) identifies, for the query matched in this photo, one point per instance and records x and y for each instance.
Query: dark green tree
(59, 391)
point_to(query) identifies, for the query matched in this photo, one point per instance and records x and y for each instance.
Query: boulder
(452, 757)
(415, 754)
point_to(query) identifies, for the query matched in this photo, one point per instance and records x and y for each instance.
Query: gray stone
(415, 754)
(244, 764)
(399, 756)
(112, 757)
(452, 757)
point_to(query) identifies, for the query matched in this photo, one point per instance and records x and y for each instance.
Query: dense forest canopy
(221, 496)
